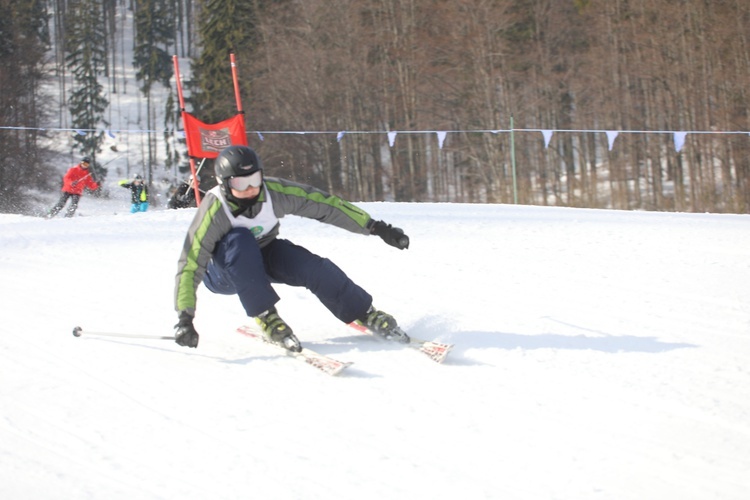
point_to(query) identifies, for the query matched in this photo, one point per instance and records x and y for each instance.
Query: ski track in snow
(599, 354)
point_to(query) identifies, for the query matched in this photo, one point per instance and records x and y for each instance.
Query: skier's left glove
(394, 236)
(184, 333)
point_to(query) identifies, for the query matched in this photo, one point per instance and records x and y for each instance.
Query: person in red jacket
(76, 179)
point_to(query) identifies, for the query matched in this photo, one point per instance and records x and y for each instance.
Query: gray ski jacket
(217, 216)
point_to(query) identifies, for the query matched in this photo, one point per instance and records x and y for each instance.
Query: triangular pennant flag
(339, 136)
(260, 136)
(392, 138)
(80, 132)
(112, 140)
(611, 136)
(679, 140)
(495, 131)
(441, 139)
(547, 136)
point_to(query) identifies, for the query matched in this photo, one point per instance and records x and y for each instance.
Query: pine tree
(225, 27)
(24, 40)
(86, 59)
(154, 27)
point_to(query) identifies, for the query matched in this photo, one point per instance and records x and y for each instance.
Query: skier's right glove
(184, 333)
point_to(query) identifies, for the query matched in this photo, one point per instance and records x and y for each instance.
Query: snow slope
(599, 354)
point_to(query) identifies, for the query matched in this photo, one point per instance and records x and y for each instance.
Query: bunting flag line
(209, 141)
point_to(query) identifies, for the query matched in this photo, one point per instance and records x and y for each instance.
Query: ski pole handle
(78, 331)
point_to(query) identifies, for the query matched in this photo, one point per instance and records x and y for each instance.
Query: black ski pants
(61, 203)
(239, 266)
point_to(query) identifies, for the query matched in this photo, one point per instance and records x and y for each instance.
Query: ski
(436, 351)
(323, 363)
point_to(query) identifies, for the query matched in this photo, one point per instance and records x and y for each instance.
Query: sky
(598, 354)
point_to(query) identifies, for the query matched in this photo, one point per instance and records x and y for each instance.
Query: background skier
(138, 194)
(75, 180)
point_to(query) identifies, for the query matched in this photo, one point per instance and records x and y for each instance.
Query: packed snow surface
(599, 354)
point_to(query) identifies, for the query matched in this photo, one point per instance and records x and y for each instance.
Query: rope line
(460, 131)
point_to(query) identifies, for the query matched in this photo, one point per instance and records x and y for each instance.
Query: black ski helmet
(85, 159)
(235, 161)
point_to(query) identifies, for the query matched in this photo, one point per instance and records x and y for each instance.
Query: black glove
(185, 333)
(394, 236)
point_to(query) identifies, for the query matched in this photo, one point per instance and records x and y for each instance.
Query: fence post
(513, 161)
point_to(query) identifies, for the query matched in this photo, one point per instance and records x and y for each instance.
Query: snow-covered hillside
(598, 354)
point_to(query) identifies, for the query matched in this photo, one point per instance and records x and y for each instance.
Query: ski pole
(110, 161)
(78, 331)
(75, 183)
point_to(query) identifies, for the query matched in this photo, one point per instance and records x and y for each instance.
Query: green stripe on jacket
(353, 212)
(187, 286)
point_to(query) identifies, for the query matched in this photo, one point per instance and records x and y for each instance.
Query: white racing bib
(261, 224)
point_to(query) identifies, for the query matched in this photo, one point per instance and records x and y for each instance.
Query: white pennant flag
(112, 140)
(339, 136)
(611, 136)
(441, 138)
(679, 140)
(392, 138)
(547, 136)
(260, 136)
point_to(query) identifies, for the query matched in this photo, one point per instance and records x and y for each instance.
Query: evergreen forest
(619, 104)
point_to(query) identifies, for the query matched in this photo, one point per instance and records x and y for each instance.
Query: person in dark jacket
(138, 194)
(75, 180)
(232, 246)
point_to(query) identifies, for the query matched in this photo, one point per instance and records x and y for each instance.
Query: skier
(138, 194)
(75, 180)
(232, 246)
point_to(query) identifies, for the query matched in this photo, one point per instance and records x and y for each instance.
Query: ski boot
(277, 331)
(383, 325)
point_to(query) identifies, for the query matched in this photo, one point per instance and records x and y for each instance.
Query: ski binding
(436, 351)
(322, 362)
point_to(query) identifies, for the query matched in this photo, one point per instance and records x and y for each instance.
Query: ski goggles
(241, 183)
